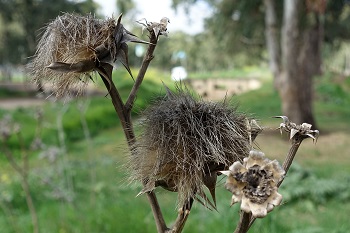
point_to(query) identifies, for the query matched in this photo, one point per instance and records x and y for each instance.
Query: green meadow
(79, 183)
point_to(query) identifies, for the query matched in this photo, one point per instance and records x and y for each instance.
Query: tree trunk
(272, 40)
(289, 80)
(301, 60)
(309, 66)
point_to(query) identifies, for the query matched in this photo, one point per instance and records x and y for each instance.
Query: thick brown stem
(291, 154)
(182, 217)
(119, 107)
(145, 63)
(124, 113)
(157, 212)
(243, 225)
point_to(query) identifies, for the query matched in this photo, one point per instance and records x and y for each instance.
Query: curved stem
(145, 63)
(157, 212)
(182, 217)
(244, 220)
(124, 113)
(296, 142)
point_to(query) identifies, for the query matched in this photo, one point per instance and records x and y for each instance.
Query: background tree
(295, 32)
(21, 21)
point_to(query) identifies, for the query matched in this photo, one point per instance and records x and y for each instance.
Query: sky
(154, 10)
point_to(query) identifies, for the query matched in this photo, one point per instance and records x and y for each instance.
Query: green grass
(92, 180)
(244, 72)
(108, 204)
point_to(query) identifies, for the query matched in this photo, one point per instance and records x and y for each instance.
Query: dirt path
(13, 103)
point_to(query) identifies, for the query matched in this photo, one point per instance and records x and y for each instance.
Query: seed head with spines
(185, 142)
(73, 46)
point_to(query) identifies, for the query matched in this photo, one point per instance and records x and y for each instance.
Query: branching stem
(295, 144)
(124, 113)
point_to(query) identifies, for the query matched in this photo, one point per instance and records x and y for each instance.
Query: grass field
(84, 188)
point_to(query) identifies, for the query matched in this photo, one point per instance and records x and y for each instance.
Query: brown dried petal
(236, 188)
(255, 184)
(276, 170)
(258, 210)
(237, 167)
(297, 131)
(274, 200)
(255, 158)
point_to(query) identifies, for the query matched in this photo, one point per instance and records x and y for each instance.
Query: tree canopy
(21, 21)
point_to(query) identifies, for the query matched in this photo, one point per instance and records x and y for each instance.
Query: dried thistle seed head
(73, 46)
(254, 183)
(184, 143)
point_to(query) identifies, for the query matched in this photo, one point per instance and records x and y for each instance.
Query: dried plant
(254, 183)
(186, 142)
(73, 46)
(297, 133)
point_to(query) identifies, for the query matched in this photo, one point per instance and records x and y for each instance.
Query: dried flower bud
(184, 144)
(157, 28)
(298, 131)
(73, 46)
(254, 184)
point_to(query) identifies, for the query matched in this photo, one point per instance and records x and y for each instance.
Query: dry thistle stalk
(185, 143)
(73, 46)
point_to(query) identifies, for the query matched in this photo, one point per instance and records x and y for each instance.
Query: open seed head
(184, 143)
(254, 183)
(73, 46)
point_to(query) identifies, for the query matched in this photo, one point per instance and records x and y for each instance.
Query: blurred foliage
(333, 90)
(322, 197)
(302, 184)
(236, 32)
(234, 35)
(100, 114)
(125, 6)
(21, 21)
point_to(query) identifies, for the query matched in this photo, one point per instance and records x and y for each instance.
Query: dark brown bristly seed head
(185, 141)
(73, 46)
(70, 39)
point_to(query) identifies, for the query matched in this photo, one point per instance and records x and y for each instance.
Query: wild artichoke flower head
(73, 46)
(254, 183)
(184, 144)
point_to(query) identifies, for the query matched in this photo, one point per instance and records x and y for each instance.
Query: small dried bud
(254, 184)
(298, 131)
(157, 28)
